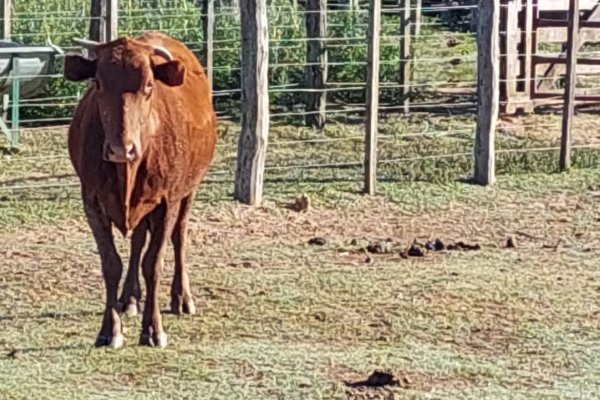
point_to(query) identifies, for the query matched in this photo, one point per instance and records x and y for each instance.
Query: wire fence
(433, 141)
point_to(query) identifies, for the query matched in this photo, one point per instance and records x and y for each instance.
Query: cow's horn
(88, 44)
(162, 52)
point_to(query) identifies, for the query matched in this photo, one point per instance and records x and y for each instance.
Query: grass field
(281, 319)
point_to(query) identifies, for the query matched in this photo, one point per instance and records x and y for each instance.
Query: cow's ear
(170, 73)
(78, 68)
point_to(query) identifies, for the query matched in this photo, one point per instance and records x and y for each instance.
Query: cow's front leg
(132, 293)
(111, 333)
(161, 220)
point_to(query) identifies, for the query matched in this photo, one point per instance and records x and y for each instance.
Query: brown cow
(141, 140)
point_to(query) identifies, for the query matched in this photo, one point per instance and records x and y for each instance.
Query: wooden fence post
(372, 96)
(488, 90)
(208, 32)
(568, 107)
(104, 20)
(417, 17)
(405, 18)
(6, 19)
(252, 145)
(96, 32)
(112, 20)
(316, 57)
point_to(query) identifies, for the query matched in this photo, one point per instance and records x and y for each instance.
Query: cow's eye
(95, 83)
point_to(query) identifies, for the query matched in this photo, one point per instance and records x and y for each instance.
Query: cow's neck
(128, 186)
(126, 174)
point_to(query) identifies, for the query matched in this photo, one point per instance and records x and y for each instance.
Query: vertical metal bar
(16, 86)
(535, 16)
(316, 57)
(405, 55)
(6, 4)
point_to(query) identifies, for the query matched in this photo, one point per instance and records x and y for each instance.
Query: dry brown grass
(283, 319)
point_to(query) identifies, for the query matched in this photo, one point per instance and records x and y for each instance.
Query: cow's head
(126, 74)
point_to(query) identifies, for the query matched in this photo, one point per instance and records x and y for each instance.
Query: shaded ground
(279, 318)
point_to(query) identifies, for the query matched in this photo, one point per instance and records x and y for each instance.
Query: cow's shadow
(51, 315)
(15, 352)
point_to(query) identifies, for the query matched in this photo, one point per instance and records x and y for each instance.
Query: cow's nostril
(131, 153)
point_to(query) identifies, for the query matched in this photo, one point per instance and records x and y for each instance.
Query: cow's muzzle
(119, 154)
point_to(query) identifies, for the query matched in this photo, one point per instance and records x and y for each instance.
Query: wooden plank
(553, 23)
(208, 33)
(488, 81)
(6, 19)
(316, 58)
(581, 94)
(561, 60)
(373, 35)
(559, 35)
(586, 100)
(567, 121)
(252, 145)
(587, 70)
(562, 5)
(405, 55)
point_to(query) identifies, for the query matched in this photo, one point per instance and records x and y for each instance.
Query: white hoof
(161, 340)
(117, 342)
(190, 308)
(131, 311)
(114, 342)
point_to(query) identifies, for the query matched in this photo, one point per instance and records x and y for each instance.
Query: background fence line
(318, 86)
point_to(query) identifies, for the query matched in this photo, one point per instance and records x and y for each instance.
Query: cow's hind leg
(111, 333)
(132, 293)
(162, 221)
(181, 295)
